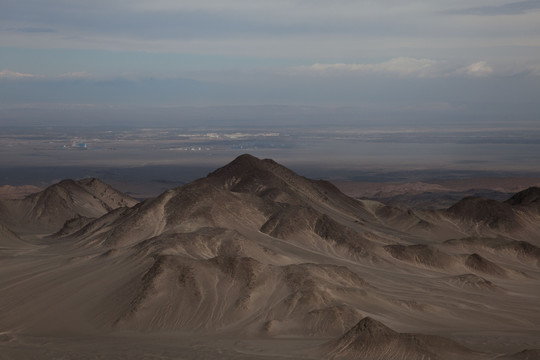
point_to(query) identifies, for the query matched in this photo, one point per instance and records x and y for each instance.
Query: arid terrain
(436, 194)
(256, 262)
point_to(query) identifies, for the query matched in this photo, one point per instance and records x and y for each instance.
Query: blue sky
(398, 54)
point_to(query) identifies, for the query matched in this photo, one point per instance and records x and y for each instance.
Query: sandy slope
(256, 261)
(47, 211)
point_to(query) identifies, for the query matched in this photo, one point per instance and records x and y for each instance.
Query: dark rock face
(528, 197)
(495, 214)
(476, 209)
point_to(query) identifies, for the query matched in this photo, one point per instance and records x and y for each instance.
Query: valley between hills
(255, 261)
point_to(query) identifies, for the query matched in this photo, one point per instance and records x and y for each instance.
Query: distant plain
(146, 161)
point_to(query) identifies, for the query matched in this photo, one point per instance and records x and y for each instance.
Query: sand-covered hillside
(255, 261)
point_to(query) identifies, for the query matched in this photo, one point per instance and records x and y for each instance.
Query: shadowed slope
(477, 263)
(527, 198)
(480, 210)
(517, 215)
(370, 339)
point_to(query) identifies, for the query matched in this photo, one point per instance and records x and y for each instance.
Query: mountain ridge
(256, 251)
(66, 200)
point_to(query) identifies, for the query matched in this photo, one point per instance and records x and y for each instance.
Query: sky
(461, 60)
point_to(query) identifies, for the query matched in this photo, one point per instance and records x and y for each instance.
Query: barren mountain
(370, 339)
(438, 194)
(529, 198)
(516, 217)
(48, 210)
(255, 261)
(491, 212)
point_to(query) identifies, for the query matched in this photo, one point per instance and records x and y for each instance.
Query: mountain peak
(59, 191)
(49, 209)
(368, 327)
(479, 209)
(246, 157)
(476, 262)
(275, 182)
(242, 164)
(248, 173)
(370, 339)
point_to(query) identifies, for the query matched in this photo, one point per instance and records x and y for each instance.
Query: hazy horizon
(348, 86)
(170, 157)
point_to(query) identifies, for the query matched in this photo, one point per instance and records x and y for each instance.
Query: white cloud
(478, 69)
(14, 75)
(401, 66)
(7, 74)
(404, 67)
